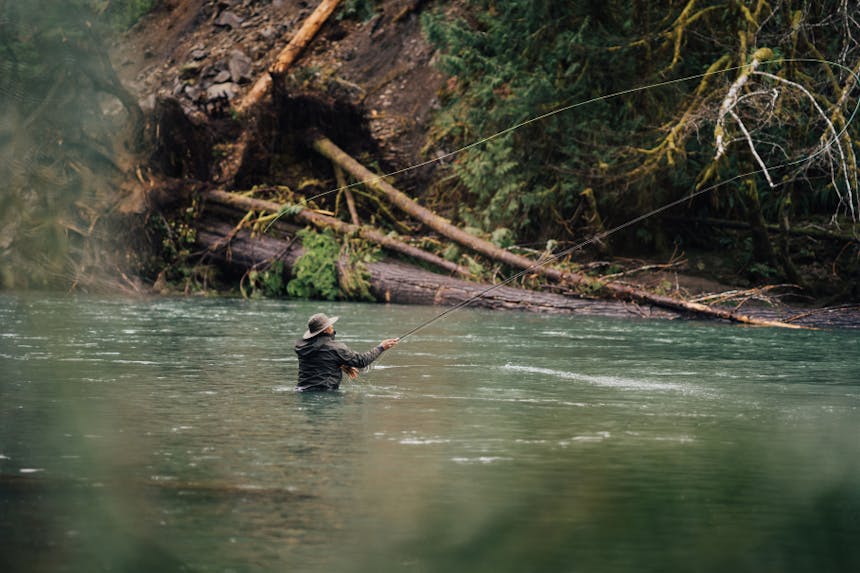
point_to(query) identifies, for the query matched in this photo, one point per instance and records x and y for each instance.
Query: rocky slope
(207, 53)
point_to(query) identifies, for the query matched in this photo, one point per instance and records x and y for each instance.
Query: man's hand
(350, 371)
(388, 343)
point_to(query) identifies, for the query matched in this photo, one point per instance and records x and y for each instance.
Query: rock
(226, 90)
(192, 93)
(147, 104)
(189, 70)
(222, 77)
(228, 19)
(199, 54)
(240, 66)
(268, 33)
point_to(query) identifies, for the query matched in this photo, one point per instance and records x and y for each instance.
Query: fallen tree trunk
(324, 221)
(328, 149)
(289, 54)
(439, 224)
(231, 164)
(225, 245)
(399, 283)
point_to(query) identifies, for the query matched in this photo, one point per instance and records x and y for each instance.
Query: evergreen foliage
(509, 62)
(512, 60)
(317, 274)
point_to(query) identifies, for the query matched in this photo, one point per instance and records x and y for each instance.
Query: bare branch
(731, 100)
(849, 198)
(749, 139)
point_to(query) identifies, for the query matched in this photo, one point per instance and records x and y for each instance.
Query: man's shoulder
(335, 345)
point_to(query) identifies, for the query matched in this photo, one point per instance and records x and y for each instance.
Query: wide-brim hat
(317, 323)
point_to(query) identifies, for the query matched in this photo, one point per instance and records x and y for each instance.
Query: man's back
(321, 358)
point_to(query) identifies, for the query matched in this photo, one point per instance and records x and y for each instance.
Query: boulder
(240, 66)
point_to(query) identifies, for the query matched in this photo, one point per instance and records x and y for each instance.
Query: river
(164, 435)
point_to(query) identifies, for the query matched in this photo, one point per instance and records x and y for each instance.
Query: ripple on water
(423, 441)
(480, 460)
(610, 381)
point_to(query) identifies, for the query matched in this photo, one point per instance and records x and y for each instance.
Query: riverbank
(368, 80)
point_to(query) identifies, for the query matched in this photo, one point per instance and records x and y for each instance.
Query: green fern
(315, 273)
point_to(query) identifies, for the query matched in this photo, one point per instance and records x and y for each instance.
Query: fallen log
(230, 165)
(396, 282)
(289, 54)
(324, 221)
(444, 227)
(222, 243)
(439, 224)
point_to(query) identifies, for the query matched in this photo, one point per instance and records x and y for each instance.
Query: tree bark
(763, 251)
(310, 217)
(243, 251)
(289, 54)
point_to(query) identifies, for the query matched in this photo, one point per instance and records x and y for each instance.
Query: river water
(164, 435)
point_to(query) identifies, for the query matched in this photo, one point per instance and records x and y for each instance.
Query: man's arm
(360, 360)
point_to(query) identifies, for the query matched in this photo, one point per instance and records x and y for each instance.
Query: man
(323, 361)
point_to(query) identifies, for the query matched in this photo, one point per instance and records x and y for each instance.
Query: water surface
(143, 435)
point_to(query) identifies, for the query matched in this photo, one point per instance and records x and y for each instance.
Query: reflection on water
(164, 435)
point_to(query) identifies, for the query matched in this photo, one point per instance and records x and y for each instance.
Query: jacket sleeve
(350, 358)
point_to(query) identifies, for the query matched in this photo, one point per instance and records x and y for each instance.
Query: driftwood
(319, 220)
(444, 227)
(396, 282)
(288, 55)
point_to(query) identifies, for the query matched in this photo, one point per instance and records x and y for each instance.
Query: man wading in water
(323, 361)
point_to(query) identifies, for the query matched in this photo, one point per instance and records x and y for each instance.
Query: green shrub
(315, 273)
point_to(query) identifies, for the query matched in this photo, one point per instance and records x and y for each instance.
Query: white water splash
(609, 381)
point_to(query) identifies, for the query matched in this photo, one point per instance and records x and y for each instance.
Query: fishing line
(514, 128)
(568, 108)
(639, 218)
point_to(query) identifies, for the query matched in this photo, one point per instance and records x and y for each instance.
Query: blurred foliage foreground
(64, 139)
